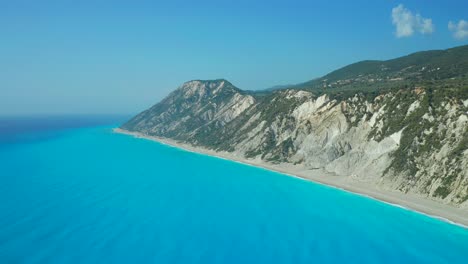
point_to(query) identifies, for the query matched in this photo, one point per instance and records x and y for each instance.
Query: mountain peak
(204, 87)
(208, 82)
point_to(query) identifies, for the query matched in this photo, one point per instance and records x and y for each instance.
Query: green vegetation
(442, 192)
(417, 67)
(462, 146)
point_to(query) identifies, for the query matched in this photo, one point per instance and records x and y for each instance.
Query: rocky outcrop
(196, 105)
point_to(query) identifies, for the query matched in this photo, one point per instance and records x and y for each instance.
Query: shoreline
(411, 202)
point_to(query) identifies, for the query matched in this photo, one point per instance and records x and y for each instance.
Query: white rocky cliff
(398, 140)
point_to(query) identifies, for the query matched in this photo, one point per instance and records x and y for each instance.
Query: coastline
(412, 202)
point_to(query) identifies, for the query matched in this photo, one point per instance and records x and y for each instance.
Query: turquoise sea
(82, 194)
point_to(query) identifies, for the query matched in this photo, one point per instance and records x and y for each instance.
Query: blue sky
(122, 56)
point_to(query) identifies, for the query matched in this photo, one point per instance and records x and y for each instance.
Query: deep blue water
(82, 194)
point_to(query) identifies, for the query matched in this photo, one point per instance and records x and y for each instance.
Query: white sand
(408, 201)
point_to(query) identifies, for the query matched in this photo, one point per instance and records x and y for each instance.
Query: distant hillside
(425, 66)
(278, 87)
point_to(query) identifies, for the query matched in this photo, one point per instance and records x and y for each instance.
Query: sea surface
(72, 191)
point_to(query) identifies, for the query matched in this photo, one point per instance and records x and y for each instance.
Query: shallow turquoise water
(88, 195)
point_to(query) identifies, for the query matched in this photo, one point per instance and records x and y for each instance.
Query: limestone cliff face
(194, 106)
(402, 139)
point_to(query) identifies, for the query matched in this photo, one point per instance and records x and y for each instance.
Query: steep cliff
(407, 136)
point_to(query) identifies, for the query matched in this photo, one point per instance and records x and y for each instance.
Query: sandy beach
(412, 202)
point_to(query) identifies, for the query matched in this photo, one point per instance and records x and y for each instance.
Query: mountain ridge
(366, 72)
